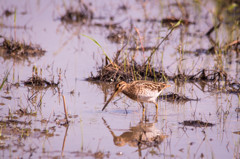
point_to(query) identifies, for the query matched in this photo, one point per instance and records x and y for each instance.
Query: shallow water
(114, 133)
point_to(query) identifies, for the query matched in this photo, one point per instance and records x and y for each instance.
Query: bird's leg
(143, 106)
(156, 116)
(143, 111)
(156, 104)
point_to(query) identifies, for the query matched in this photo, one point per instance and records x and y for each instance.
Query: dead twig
(65, 109)
(154, 50)
(212, 29)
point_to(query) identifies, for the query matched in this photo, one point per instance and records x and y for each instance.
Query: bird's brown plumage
(141, 91)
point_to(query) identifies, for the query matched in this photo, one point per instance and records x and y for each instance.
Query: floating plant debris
(196, 123)
(22, 112)
(233, 88)
(237, 110)
(8, 13)
(237, 132)
(10, 131)
(167, 21)
(15, 122)
(200, 51)
(7, 97)
(109, 25)
(175, 20)
(147, 48)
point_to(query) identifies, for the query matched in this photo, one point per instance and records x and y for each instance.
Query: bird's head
(118, 88)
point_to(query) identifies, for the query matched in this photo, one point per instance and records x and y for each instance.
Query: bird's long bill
(114, 94)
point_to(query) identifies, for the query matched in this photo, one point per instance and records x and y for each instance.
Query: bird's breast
(143, 96)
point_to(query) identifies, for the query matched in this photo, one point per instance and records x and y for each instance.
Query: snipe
(141, 91)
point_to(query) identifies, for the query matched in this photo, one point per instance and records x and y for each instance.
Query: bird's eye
(117, 86)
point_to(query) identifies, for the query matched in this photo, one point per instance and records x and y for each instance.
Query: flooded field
(60, 61)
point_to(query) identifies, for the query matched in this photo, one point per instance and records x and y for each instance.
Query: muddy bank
(19, 50)
(213, 79)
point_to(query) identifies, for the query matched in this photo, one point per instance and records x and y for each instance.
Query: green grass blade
(15, 17)
(177, 24)
(4, 80)
(99, 46)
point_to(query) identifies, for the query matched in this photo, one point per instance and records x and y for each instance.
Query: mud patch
(173, 97)
(37, 81)
(81, 15)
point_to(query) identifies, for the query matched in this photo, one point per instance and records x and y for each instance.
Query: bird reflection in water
(143, 136)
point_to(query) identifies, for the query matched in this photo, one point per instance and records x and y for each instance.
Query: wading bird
(141, 91)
